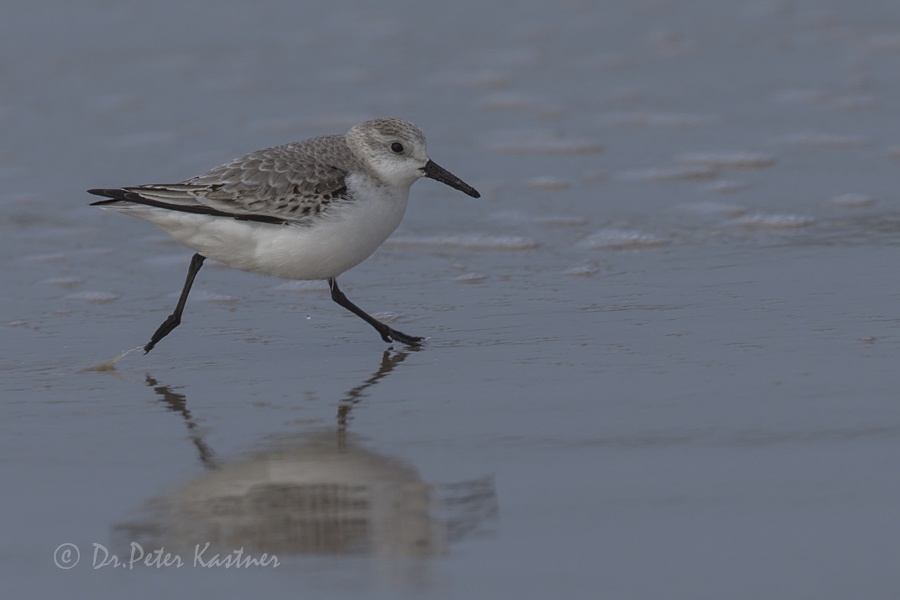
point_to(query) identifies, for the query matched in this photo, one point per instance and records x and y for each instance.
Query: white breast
(339, 239)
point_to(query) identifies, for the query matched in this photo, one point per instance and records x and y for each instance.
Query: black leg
(174, 320)
(387, 334)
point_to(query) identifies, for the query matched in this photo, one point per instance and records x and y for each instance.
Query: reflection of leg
(389, 359)
(387, 334)
(178, 403)
(174, 320)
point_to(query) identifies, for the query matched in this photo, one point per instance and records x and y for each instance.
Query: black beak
(432, 170)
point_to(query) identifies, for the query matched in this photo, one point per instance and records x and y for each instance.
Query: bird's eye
(397, 147)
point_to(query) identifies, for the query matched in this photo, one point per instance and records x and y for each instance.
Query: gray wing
(280, 184)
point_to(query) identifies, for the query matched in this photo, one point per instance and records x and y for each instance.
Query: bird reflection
(389, 360)
(177, 403)
(315, 494)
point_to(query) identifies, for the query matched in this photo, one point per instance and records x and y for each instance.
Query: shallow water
(662, 346)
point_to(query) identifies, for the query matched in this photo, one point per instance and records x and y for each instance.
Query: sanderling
(306, 210)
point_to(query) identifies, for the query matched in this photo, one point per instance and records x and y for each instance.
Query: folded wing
(283, 184)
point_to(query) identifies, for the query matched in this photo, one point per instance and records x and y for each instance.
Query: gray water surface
(662, 347)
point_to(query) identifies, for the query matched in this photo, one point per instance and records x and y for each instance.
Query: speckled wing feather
(282, 184)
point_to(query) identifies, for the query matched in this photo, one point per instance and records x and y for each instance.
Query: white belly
(337, 241)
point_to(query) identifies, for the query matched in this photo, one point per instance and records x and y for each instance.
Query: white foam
(581, 271)
(623, 239)
(204, 296)
(95, 297)
(775, 221)
(468, 242)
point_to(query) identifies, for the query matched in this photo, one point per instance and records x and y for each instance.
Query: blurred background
(662, 346)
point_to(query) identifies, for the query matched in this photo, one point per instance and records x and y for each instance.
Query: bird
(307, 210)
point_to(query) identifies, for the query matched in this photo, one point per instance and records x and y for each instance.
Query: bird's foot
(392, 335)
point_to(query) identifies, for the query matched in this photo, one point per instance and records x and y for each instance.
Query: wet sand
(662, 347)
